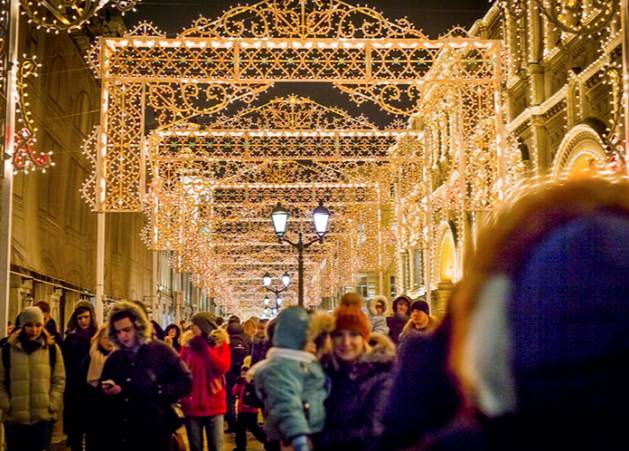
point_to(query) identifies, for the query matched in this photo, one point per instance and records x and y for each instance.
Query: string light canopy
(218, 62)
(208, 181)
(68, 15)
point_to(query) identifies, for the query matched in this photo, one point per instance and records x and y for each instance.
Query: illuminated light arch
(215, 63)
(581, 150)
(195, 182)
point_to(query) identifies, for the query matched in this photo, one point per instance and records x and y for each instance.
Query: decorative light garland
(68, 15)
(210, 186)
(26, 158)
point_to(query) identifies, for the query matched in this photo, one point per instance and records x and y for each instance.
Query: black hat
(421, 305)
(204, 321)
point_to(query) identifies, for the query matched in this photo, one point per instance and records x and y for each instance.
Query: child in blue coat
(291, 383)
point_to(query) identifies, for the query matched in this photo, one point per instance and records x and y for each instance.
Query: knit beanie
(32, 315)
(292, 328)
(204, 321)
(420, 305)
(352, 318)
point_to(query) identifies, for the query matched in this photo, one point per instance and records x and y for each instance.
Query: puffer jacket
(358, 397)
(293, 387)
(208, 365)
(34, 393)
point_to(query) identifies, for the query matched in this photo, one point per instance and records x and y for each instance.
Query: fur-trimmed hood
(144, 330)
(320, 327)
(371, 305)
(382, 349)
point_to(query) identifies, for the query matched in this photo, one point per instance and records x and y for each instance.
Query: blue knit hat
(292, 328)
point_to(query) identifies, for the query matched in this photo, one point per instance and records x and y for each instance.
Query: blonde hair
(102, 331)
(250, 327)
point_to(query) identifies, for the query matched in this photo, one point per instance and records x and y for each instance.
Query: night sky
(433, 17)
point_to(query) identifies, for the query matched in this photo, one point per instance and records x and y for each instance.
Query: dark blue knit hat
(292, 328)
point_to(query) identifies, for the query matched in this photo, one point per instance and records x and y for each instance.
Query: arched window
(580, 153)
(58, 80)
(83, 113)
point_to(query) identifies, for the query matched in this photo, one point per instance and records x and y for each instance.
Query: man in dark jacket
(398, 320)
(240, 345)
(261, 344)
(141, 379)
(76, 349)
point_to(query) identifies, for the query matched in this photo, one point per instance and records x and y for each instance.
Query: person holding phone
(140, 381)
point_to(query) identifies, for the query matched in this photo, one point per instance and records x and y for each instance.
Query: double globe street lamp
(271, 310)
(320, 220)
(267, 280)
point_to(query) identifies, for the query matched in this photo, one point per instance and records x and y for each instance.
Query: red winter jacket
(207, 364)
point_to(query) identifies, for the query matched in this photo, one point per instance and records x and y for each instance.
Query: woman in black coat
(76, 348)
(396, 322)
(359, 370)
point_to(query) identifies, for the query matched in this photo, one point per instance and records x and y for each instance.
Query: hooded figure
(540, 333)
(377, 308)
(76, 355)
(141, 379)
(207, 354)
(397, 321)
(291, 383)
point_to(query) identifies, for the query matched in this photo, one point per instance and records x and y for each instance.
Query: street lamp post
(320, 220)
(267, 280)
(272, 310)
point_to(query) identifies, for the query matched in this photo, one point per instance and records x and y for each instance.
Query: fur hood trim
(382, 349)
(320, 323)
(144, 330)
(371, 305)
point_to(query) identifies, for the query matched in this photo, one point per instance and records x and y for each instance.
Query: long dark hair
(82, 307)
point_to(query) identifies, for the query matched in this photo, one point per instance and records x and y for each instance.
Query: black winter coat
(151, 380)
(240, 345)
(424, 397)
(396, 323)
(259, 348)
(76, 349)
(357, 399)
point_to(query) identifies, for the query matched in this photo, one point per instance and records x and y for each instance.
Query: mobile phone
(108, 384)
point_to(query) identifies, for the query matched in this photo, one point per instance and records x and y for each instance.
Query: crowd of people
(531, 354)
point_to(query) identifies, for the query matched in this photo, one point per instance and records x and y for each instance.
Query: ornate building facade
(563, 113)
(54, 231)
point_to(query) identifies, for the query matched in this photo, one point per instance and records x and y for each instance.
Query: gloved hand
(219, 336)
(300, 443)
